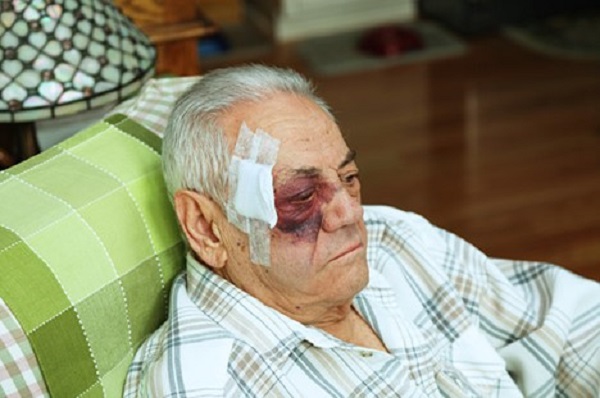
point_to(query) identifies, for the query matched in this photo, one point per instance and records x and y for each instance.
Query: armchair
(89, 246)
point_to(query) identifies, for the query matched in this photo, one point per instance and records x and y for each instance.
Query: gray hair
(195, 152)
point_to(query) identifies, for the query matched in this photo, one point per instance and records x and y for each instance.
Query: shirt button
(461, 382)
(366, 354)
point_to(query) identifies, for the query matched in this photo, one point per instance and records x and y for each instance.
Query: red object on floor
(389, 40)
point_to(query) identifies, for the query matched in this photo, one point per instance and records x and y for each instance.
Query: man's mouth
(350, 250)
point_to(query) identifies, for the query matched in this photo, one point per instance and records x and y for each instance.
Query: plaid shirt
(456, 323)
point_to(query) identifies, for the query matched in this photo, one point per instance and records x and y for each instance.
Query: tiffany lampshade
(60, 57)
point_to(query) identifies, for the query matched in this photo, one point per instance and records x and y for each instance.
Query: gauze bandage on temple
(251, 204)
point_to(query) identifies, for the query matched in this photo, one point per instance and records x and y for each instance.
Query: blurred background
(481, 115)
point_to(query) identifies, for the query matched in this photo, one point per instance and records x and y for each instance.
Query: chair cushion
(89, 246)
(152, 106)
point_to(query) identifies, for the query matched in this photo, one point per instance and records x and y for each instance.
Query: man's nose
(342, 210)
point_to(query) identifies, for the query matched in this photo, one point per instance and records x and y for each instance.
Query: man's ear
(197, 216)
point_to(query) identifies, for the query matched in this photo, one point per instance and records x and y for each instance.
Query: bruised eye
(303, 196)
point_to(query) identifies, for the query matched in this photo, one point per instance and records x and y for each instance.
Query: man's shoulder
(187, 321)
(394, 234)
(383, 220)
(177, 358)
(198, 332)
(374, 214)
(174, 349)
(185, 326)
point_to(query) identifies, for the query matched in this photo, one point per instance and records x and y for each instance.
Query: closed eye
(350, 178)
(303, 196)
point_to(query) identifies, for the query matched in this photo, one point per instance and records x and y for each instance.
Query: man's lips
(349, 250)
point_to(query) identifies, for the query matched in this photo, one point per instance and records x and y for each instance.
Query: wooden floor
(500, 146)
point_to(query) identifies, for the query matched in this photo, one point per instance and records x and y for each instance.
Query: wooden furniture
(223, 12)
(20, 142)
(174, 27)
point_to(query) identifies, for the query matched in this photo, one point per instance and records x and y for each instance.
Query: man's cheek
(290, 252)
(303, 228)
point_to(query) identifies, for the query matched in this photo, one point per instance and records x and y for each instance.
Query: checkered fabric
(19, 374)
(456, 323)
(152, 106)
(89, 246)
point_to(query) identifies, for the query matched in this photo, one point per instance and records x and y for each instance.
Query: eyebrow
(314, 172)
(350, 156)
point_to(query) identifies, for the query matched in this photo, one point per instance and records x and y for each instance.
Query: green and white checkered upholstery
(89, 246)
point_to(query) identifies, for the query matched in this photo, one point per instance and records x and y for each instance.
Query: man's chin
(359, 273)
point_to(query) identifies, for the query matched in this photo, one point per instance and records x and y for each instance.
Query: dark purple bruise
(308, 230)
(302, 218)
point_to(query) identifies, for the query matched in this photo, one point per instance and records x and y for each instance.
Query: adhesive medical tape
(251, 204)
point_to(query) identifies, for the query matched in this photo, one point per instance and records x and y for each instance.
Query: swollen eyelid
(303, 196)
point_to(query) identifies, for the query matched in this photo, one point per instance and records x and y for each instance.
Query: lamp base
(18, 141)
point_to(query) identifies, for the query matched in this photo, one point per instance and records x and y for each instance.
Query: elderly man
(293, 288)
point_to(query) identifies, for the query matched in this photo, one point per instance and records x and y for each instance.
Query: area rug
(339, 53)
(570, 36)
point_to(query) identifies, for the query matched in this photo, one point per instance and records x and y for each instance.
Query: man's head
(318, 246)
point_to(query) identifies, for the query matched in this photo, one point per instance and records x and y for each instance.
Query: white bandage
(251, 204)
(254, 195)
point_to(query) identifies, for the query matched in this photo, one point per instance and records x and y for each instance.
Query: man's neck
(338, 318)
(342, 322)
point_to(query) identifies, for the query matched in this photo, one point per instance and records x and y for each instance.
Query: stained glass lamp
(60, 57)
